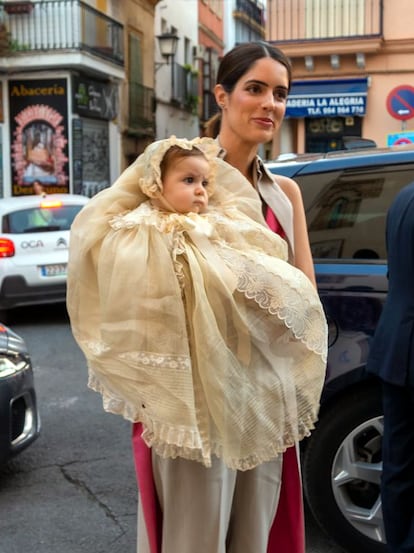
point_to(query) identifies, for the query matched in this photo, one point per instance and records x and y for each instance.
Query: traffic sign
(400, 138)
(402, 141)
(400, 102)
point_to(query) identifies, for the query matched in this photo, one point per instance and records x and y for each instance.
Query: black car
(346, 197)
(19, 416)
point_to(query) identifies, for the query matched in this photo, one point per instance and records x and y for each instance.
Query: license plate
(58, 269)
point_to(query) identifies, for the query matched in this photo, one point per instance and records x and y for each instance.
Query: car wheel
(342, 465)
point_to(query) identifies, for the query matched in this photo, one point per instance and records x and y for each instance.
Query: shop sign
(38, 134)
(327, 98)
(95, 99)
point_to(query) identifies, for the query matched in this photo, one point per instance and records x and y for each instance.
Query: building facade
(210, 49)
(353, 71)
(77, 92)
(176, 75)
(136, 120)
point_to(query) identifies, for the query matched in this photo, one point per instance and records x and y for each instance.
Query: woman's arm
(303, 257)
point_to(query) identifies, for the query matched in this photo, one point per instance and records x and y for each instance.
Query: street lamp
(167, 43)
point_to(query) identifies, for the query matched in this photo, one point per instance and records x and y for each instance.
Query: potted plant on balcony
(191, 99)
(192, 103)
(191, 71)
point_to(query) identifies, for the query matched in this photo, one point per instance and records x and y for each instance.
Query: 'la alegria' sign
(39, 135)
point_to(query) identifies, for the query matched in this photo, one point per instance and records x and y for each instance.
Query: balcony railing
(63, 25)
(141, 110)
(303, 20)
(252, 9)
(184, 88)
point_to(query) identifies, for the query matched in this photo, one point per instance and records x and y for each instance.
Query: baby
(190, 316)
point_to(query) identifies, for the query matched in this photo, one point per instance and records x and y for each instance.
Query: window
(40, 219)
(188, 58)
(346, 210)
(141, 120)
(332, 18)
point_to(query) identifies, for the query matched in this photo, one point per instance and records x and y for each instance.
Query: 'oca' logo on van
(27, 244)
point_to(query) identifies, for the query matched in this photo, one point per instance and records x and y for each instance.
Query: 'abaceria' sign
(328, 98)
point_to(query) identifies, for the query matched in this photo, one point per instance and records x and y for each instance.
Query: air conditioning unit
(199, 51)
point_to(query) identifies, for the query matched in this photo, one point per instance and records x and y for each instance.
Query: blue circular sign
(400, 102)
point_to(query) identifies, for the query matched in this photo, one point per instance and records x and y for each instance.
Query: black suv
(346, 197)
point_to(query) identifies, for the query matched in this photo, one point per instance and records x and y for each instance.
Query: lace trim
(165, 222)
(263, 455)
(147, 360)
(111, 402)
(172, 442)
(305, 319)
(155, 361)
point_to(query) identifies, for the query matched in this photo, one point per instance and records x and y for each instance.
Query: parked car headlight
(10, 365)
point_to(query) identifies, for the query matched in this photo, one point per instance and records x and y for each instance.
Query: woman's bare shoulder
(288, 186)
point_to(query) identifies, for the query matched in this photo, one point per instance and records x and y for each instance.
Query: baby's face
(185, 184)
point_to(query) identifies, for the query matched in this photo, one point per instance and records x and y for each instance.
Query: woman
(253, 82)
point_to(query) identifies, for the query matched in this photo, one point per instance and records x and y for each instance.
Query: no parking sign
(400, 102)
(400, 138)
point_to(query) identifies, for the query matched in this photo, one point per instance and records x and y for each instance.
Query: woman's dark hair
(235, 64)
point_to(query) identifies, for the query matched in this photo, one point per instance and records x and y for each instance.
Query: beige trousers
(213, 510)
